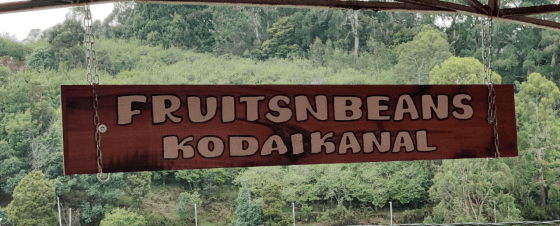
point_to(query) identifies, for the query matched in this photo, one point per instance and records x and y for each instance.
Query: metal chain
(555, 222)
(93, 80)
(487, 46)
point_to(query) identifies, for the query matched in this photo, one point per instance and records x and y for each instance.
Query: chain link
(555, 222)
(487, 46)
(93, 79)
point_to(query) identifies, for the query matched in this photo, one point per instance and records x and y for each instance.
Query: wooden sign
(171, 127)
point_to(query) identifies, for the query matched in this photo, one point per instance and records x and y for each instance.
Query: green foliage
(156, 219)
(317, 52)
(12, 169)
(181, 26)
(249, 212)
(460, 70)
(405, 35)
(5, 73)
(227, 45)
(207, 178)
(20, 129)
(33, 201)
(12, 49)
(41, 59)
(415, 215)
(341, 216)
(273, 204)
(464, 190)
(256, 178)
(536, 107)
(4, 216)
(122, 217)
(65, 40)
(417, 57)
(97, 197)
(138, 186)
(68, 34)
(282, 42)
(185, 204)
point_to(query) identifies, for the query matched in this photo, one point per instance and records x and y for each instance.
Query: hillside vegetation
(183, 44)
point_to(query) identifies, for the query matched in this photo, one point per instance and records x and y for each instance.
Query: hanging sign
(172, 127)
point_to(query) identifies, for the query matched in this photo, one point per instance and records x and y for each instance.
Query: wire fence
(554, 222)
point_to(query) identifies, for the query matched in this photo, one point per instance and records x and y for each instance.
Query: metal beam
(19, 6)
(533, 22)
(442, 5)
(426, 6)
(361, 5)
(494, 6)
(524, 11)
(478, 6)
(357, 5)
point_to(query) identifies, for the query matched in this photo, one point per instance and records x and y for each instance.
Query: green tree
(186, 202)
(66, 39)
(370, 185)
(464, 189)
(13, 49)
(282, 41)
(12, 169)
(334, 182)
(97, 197)
(301, 184)
(138, 186)
(417, 57)
(20, 130)
(33, 201)
(249, 212)
(193, 24)
(460, 70)
(122, 217)
(235, 36)
(274, 202)
(42, 59)
(317, 52)
(341, 216)
(33, 36)
(551, 40)
(5, 73)
(256, 178)
(536, 107)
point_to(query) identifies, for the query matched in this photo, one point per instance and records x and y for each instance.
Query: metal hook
(100, 178)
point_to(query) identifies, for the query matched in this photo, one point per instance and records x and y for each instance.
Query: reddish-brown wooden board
(135, 141)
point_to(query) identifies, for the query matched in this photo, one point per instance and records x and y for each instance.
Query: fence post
(391, 207)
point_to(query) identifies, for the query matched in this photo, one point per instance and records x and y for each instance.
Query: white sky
(20, 23)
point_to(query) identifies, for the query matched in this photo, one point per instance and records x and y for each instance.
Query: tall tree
(460, 70)
(12, 169)
(539, 130)
(274, 202)
(355, 27)
(282, 41)
(417, 57)
(34, 200)
(138, 185)
(551, 42)
(464, 191)
(185, 204)
(249, 212)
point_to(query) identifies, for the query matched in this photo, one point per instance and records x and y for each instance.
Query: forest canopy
(142, 43)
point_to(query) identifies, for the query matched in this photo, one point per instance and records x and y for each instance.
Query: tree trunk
(542, 182)
(553, 61)
(354, 23)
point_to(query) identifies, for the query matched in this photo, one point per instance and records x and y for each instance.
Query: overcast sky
(20, 23)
